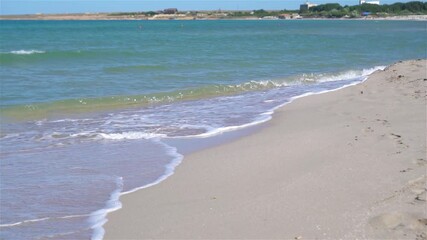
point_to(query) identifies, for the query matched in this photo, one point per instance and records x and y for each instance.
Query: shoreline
(111, 17)
(245, 189)
(231, 188)
(183, 146)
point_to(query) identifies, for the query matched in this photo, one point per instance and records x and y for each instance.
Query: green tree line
(336, 10)
(260, 13)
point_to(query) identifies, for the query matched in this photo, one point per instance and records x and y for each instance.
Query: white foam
(363, 77)
(221, 130)
(320, 92)
(130, 135)
(40, 220)
(172, 151)
(350, 74)
(22, 222)
(9, 135)
(358, 76)
(26, 52)
(71, 120)
(369, 71)
(99, 217)
(256, 85)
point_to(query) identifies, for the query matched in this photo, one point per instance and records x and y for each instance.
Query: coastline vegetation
(335, 10)
(328, 10)
(261, 13)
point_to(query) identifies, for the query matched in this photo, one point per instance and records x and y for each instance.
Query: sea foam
(99, 217)
(346, 75)
(26, 52)
(130, 135)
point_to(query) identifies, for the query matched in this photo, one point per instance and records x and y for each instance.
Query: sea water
(89, 108)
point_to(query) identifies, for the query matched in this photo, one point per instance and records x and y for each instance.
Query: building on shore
(289, 16)
(306, 6)
(376, 2)
(285, 16)
(170, 11)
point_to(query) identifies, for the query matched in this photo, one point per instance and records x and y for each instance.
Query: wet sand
(345, 164)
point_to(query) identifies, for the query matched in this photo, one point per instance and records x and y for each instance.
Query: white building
(369, 2)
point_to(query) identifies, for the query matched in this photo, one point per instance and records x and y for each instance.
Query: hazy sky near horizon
(84, 6)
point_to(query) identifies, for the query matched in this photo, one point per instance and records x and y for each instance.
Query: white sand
(345, 164)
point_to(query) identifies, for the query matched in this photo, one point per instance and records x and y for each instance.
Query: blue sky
(83, 6)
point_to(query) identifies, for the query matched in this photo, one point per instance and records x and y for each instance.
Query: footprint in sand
(368, 130)
(395, 136)
(383, 122)
(420, 162)
(398, 139)
(400, 225)
(418, 188)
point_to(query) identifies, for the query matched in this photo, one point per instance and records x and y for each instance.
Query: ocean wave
(22, 222)
(134, 68)
(346, 75)
(29, 221)
(91, 135)
(99, 217)
(217, 131)
(10, 135)
(70, 106)
(26, 52)
(130, 135)
(36, 56)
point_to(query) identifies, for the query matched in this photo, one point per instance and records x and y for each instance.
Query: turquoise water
(97, 59)
(86, 106)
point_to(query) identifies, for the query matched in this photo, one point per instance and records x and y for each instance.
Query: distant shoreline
(115, 16)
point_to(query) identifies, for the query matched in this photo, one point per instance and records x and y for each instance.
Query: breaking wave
(70, 106)
(26, 52)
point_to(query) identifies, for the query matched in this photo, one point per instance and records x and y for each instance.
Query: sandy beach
(347, 164)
